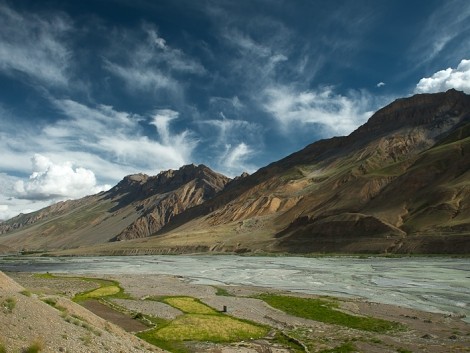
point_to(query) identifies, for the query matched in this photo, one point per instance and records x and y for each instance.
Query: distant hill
(400, 183)
(136, 207)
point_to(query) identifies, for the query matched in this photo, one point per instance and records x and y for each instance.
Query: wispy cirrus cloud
(233, 139)
(111, 143)
(145, 61)
(235, 159)
(34, 46)
(458, 78)
(444, 33)
(231, 144)
(120, 137)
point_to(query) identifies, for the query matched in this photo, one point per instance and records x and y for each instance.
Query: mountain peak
(427, 110)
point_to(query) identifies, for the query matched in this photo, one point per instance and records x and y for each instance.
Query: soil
(124, 321)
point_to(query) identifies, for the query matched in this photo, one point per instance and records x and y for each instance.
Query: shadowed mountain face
(398, 184)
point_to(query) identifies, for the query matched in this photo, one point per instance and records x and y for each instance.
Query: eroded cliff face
(177, 191)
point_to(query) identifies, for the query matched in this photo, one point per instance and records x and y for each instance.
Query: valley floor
(28, 319)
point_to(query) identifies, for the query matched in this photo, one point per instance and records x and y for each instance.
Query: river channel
(429, 284)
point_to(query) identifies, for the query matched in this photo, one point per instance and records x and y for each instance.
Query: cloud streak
(442, 33)
(148, 63)
(34, 46)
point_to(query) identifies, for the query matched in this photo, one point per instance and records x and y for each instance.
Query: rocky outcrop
(173, 192)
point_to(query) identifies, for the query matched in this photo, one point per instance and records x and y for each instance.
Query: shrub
(35, 347)
(9, 304)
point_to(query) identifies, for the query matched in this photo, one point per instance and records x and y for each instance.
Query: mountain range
(400, 183)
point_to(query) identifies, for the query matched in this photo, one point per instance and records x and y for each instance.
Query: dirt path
(122, 320)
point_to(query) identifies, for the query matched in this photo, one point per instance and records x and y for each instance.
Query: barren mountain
(136, 207)
(398, 184)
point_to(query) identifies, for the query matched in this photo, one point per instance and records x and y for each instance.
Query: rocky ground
(33, 320)
(26, 321)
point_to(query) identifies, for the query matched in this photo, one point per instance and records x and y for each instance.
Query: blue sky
(94, 90)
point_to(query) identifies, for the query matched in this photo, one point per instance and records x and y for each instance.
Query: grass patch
(34, 347)
(201, 323)
(213, 328)
(189, 305)
(103, 292)
(50, 301)
(347, 347)
(2, 348)
(170, 346)
(46, 275)
(106, 289)
(9, 304)
(326, 311)
(222, 292)
(286, 341)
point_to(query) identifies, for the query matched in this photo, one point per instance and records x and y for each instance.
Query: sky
(94, 90)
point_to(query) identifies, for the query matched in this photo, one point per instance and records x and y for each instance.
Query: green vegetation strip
(199, 323)
(327, 311)
(106, 288)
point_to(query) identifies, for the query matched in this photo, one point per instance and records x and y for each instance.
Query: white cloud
(443, 80)
(10, 205)
(336, 113)
(34, 45)
(234, 159)
(380, 84)
(50, 180)
(120, 137)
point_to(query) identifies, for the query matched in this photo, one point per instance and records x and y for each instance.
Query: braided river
(425, 283)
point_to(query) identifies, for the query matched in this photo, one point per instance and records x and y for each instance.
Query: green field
(200, 323)
(327, 311)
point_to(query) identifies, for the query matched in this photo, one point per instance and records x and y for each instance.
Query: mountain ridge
(398, 183)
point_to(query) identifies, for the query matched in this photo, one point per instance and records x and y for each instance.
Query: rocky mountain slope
(136, 207)
(399, 183)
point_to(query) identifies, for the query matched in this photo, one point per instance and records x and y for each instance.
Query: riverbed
(429, 284)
